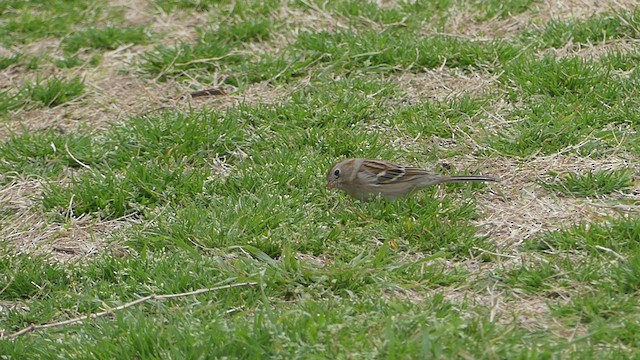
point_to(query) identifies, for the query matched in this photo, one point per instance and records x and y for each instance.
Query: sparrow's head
(334, 176)
(339, 174)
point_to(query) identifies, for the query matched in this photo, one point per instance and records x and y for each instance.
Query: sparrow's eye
(336, 173)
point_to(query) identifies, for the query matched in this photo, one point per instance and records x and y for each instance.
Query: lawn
(163, 190)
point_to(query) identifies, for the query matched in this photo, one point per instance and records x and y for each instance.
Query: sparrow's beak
(331, 184)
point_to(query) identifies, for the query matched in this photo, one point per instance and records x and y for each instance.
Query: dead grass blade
(122, 307)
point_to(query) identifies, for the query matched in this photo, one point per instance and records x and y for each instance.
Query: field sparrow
(365, 179)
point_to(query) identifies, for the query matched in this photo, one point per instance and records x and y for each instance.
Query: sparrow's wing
(385, 173)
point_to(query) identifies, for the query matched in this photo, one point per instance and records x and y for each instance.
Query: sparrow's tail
(467, 178)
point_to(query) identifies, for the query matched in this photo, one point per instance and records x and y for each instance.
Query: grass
(592, 183)
(107, 38)
(35, 20)
(599, 28)
(571, 102)
(171, 194)
(619, 236)
(341, 52)
(9, 101)
(7, 61)
(44, 93)
(54, 91)
(607, 275)
(67, 62)
(502, 9)
(244, 8)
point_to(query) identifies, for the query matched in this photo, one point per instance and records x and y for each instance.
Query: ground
(541, 94)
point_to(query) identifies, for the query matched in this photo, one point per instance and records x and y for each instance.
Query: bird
(366, 179)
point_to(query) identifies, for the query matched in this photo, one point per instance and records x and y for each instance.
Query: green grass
(356, 10)
(334, 325)
(325, 53)
(106, 39)
(67, 62)
(232, 189)
(600, 261)
(32, 20)
(9, 101)
(6, 61)
(198, 5)
(44, 153)
(502, 9)
(44, 93)
(620, 236)
(245, 8)
(598, 28)
(54, 91)
(213, 49)
(592, 183)
(570, 101)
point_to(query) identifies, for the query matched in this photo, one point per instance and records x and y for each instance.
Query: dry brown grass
(443, 84)
(71, 240)
(465, 23)
(521, 208)
(594, 51)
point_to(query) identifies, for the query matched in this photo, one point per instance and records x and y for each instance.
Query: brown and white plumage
(365, 179)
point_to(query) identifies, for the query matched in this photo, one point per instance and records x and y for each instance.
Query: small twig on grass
(124, 306)
(207, 92)
(66, 148)
(610, 251)
(166, 68)
(234, 310)
(494, 253)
